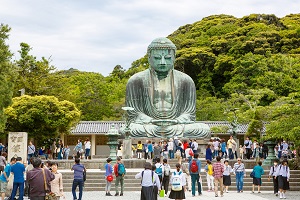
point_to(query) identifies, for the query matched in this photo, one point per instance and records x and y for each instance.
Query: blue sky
(98, 35)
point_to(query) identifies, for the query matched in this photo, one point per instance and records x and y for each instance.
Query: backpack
(121, 169)
(178, 154)
(194, 166)
(191, 153)
(167, 170)
(210, 169)
(158, 170)
(176, 182)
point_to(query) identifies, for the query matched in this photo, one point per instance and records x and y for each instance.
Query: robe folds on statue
(163, 108)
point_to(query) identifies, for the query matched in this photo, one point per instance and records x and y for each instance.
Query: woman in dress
(57, 183)
(226, 175)
(108, 172)
(258, 171)
(178, 194)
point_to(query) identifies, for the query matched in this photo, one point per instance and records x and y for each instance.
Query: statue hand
(164, 122)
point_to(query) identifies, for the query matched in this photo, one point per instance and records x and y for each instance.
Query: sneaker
(117, 194)
(252, 191)
(121, 194)
(108, 194)
(276, 194)
(280, 195)
(283, 195)
(216, 195)
(241, 191)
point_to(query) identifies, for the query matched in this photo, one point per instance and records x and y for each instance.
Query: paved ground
(206, 195)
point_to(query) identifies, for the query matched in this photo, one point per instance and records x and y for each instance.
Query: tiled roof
(102, 127)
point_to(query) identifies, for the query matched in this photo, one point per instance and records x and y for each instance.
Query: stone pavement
(232, 195)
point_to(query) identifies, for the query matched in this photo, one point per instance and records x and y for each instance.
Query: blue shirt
(150, 148)
(258, 171)
(18, 169)
(108, 169)
(7, 172)
(78, 171)
(223, 146)
(198, 164)
(208, 154)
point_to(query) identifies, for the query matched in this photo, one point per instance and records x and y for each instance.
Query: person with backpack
(209, 176)
(120, 171)
(149, 181)
(189, 153)
(108, 176)
(178, 183)
(283, 175)
(159, 169)
(272, 174)
(166, 176)
(195, 169)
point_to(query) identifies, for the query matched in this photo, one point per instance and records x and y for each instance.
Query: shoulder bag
(49, 195)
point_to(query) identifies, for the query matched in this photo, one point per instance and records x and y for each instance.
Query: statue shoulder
(140, 76)
(183, 76)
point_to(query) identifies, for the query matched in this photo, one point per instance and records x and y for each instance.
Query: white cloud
(97, 35)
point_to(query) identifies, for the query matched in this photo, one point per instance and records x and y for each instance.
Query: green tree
(7, 74)
(43, 117)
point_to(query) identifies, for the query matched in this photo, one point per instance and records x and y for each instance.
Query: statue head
(161, 56)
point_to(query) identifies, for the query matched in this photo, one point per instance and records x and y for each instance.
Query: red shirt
(185, 145)
(218, 169)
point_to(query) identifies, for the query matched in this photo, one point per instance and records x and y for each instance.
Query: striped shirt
(218, 169)
(239, 168)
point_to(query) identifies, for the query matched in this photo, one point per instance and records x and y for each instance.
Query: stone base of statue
(127, 150)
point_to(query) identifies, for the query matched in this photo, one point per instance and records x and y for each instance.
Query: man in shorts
(5, 176)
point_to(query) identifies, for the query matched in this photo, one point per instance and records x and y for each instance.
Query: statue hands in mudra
(164, 99)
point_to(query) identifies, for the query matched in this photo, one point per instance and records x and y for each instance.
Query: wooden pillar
(93, 146)
(62, 137)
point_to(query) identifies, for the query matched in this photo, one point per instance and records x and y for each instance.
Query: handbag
(49, 195)
(252, 174)
(110, 178)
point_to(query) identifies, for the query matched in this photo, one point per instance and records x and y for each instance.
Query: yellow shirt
(230, 142)
(139, 146)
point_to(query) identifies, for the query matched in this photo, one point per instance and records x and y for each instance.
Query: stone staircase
(95, 181)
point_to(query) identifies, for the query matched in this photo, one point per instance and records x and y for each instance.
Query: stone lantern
(113, 135)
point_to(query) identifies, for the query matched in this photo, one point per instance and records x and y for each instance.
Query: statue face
(162, 60)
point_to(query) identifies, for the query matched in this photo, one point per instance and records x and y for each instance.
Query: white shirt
(187, 152)
(147, 178)
(87, 145)
(195, 145)
(282, 171)
(216, 145)
(170, 145)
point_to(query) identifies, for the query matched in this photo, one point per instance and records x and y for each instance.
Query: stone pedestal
(17, 145)
(127, 150)
(113, 135)
(268, 162)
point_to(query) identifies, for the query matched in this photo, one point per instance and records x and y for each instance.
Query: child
(272, 173)
(241, 152)
(209, 175)
(226, 175)
(178, 184)
(283, 175)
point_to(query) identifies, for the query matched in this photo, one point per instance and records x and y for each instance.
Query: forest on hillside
(247, 66)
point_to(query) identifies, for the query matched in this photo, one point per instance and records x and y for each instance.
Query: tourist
(256, 152)
(261, 153)
(240, 172)
(145, 149)
(248, 145)
(166, 176)
(195, 146)
(30, 151)
(165, 150)
(4, 178)
(42, 153)
(148, 179)
(279, 150)
(208, 154)
(79, 169)
(265, 151)
(226, 175)
(159, 169)
(120, 149)
(78, 149)
(273, 169)
(178, 183)
(216, 144)
(235, 150)
(66, 152)
(27, 186)
(36, 179)
(108, 173)
(179, 153)
(241, 152)
(218, 169)
(223, 148)
(139, 149)
(230, 146)
(157, 151)
(209, 176)
(87, 147)
(120, 171)
(150, 150)
(54, 150)
(2, 161)
(186, 173)
(257, 172)
(170, 148)
(283, 175)
(185, 145)
(195, 169)
(57, 183)
(60, 150)
(155, 188)
(189, 153)
(18, 170)
(176, 144)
